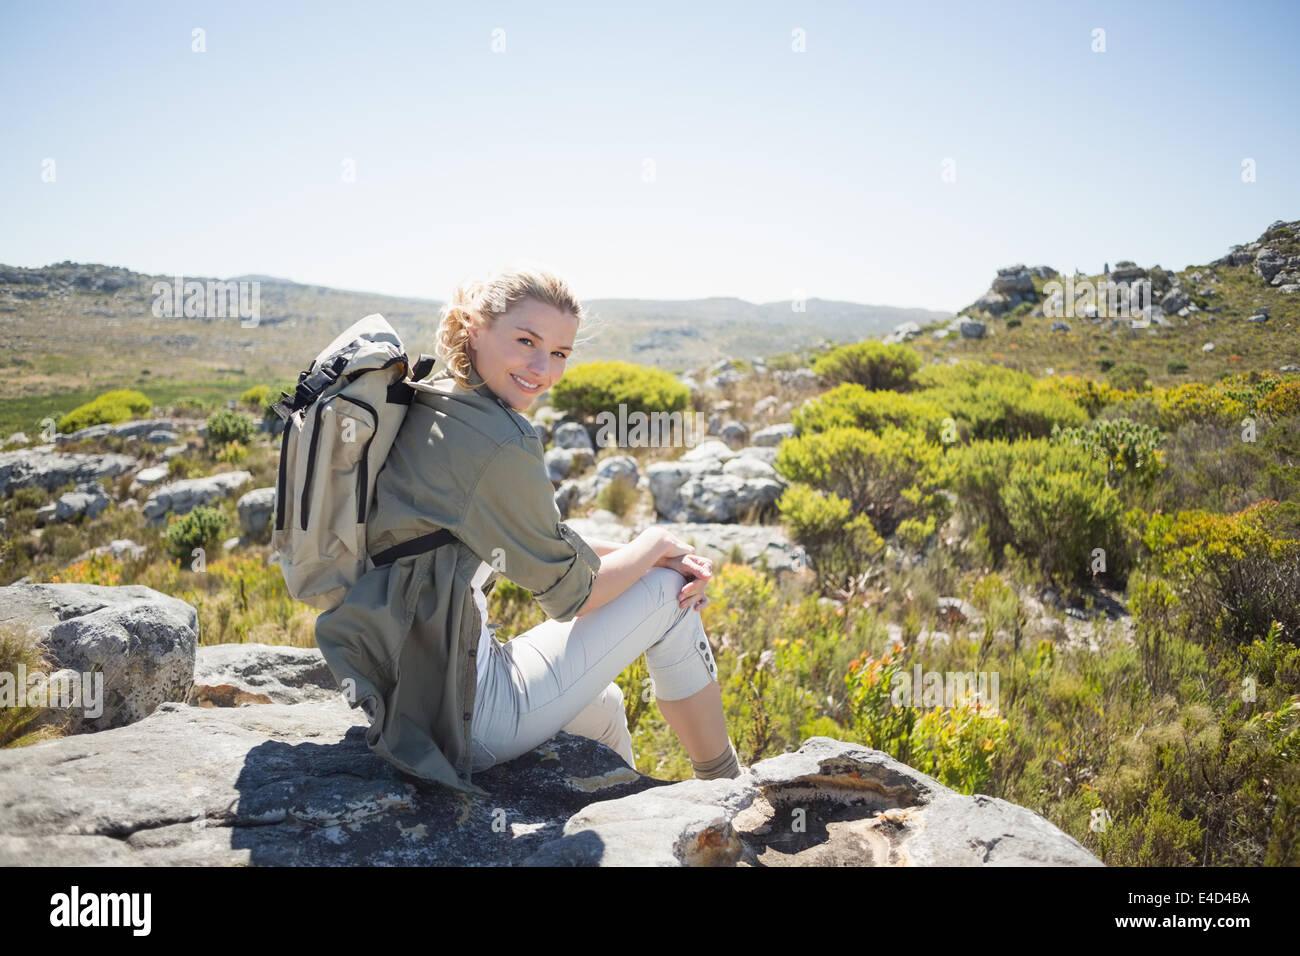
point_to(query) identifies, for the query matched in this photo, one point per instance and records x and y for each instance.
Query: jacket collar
(476, 382)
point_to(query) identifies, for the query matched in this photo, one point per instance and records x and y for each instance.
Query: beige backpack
(340, 424)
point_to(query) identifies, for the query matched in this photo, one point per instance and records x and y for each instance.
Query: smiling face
(527, 346)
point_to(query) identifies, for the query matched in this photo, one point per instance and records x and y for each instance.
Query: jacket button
(701, 645)
(474, 652)
(467, 716)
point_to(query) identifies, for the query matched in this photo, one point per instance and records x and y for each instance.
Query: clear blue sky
(775, 171)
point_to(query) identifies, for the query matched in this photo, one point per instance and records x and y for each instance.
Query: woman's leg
(605, 720)
(544, 679)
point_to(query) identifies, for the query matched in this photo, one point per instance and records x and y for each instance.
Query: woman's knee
(665, 583)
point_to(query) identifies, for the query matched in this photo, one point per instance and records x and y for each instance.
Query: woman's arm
(622, 565)
(603, 547)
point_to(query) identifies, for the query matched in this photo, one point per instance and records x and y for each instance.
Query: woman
(444, 697)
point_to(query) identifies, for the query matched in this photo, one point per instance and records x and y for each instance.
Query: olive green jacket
(403, 642)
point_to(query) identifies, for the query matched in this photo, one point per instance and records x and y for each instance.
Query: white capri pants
(559, 676)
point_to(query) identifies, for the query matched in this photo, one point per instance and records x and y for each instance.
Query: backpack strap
(401, 393)
(425, 542)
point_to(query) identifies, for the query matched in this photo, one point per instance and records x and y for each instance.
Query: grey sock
(726, 764)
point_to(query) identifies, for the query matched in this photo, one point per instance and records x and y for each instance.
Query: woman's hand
(698, 571)
(681, 557)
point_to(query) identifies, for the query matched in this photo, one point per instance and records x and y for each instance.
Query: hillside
(72, 330)
(1239, 313)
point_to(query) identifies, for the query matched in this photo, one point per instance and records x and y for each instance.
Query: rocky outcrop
(185, 495)
(1274, 256)
(713, 483)
(294, 784)
(140, 641)
(51, 470)
(158, 431)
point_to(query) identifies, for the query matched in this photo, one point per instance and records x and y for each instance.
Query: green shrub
(227, 426)
(873, 365)
(914, 534)
(1014, 322)
(1049, 501)
(990, 401)
(1128, 376)
(255, 397)
(888, 477)
(1176, 366)
(839, 545)
(591, 388)
(1130, 450)
(853, 406)
(107, 409)
(200, 528)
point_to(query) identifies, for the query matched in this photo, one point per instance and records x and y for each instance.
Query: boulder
(88, 499)
(573, 435)
(118, 549)
(734, 433)
(256, 509)
(234, 675)
(773, 435)
(561, 463)
(854, 807)
(141, 641)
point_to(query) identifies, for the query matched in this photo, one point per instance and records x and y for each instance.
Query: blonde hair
(488, 299)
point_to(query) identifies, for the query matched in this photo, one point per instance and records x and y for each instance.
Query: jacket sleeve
(512, 508)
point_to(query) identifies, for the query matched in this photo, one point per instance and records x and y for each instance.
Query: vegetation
(107, 409)
(591, 388)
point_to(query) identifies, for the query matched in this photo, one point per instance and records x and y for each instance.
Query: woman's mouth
(524, 385)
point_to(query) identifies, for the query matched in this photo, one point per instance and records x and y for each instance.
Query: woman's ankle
(726, 764)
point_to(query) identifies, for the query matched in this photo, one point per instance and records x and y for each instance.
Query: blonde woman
(445, 698)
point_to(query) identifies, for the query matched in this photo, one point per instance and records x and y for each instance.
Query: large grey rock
(296, 785)
(561, 463)
(734, 433)
(187, 494)
(118, 549)
(1014, 280)
(586, 490)
(143, 642)
(51, 470)
(573, 435)
(699, 487)
(827, 804)
(281, 785)
(773, 435)
(231, 675)
(256, 508)
(88, 499)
